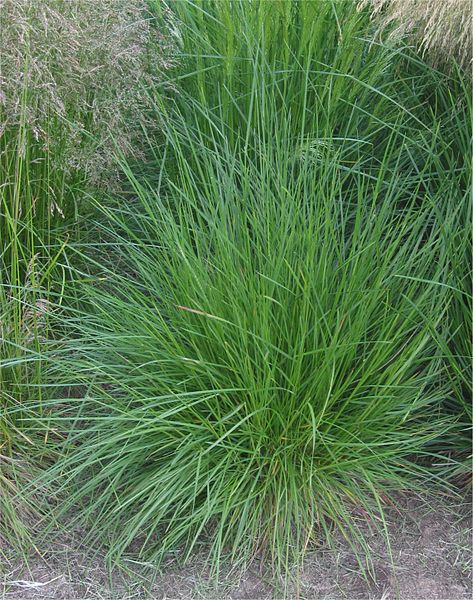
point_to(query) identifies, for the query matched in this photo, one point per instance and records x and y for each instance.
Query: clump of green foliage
(265, 362)
(269, 334)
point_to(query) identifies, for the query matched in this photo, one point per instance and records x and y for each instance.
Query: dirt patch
(430, 549)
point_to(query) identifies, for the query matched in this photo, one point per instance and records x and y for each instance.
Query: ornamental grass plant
(258, 348)
(266, 338)
(442, 30)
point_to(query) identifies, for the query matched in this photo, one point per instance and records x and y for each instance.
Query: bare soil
(431, 560)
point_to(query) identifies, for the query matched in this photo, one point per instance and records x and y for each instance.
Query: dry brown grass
(443, 28)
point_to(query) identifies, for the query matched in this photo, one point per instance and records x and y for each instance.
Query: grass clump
(317, 57)
(30, 245)
(451, 177)
(267, 367)
(274, 326)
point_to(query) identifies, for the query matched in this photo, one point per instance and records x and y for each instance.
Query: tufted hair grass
(442, 29)
(71, 77)
(73, 74)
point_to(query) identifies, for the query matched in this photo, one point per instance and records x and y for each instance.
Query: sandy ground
(431, 548)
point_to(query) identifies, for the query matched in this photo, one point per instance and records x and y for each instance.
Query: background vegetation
(442, 29)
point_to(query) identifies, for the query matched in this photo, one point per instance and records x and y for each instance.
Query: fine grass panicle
(263, 366)
(442, 28)
(69, 74)
(75, 72)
